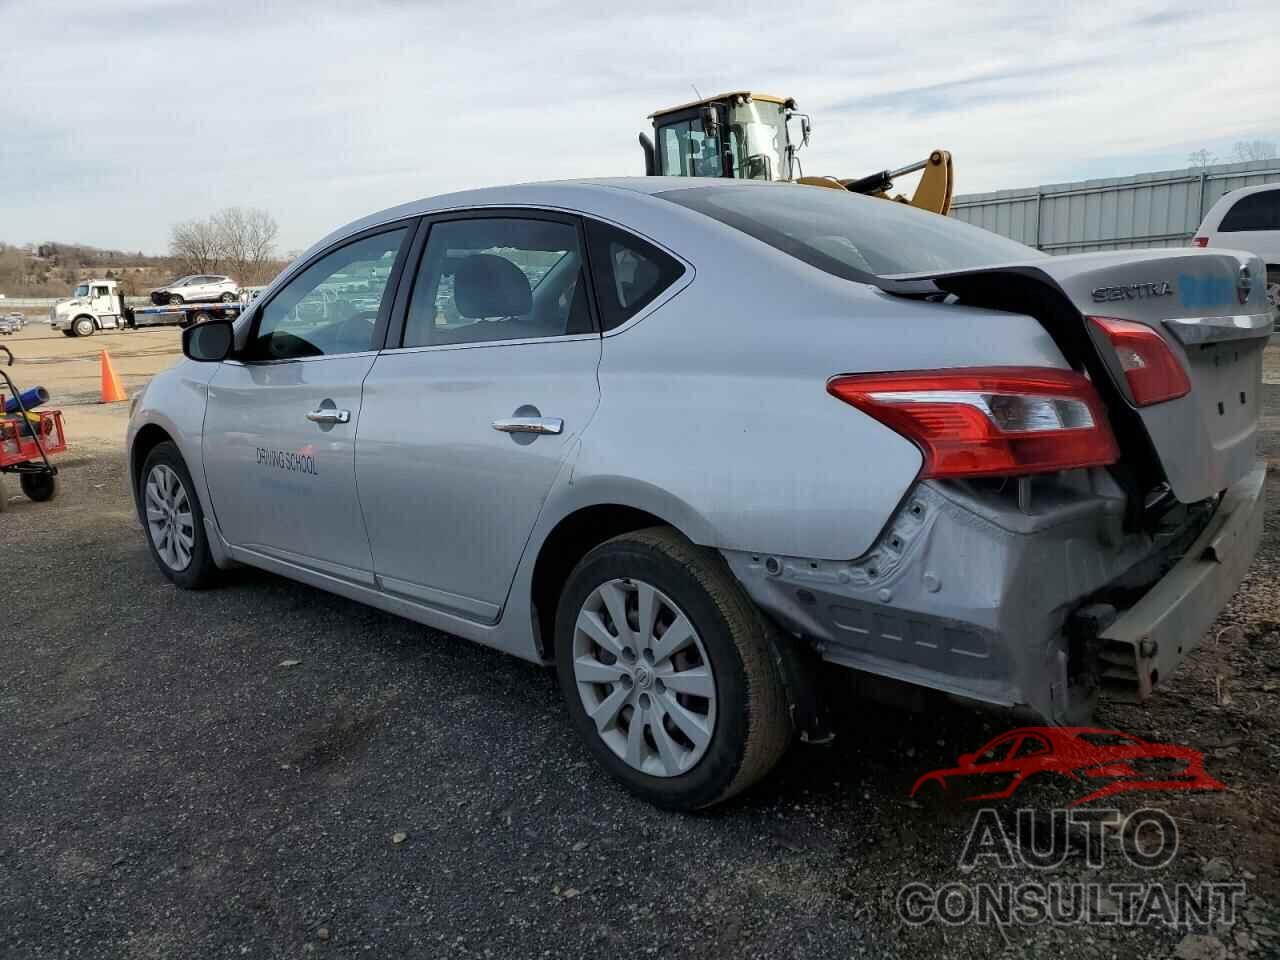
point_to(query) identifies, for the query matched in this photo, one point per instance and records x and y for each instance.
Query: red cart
(27, 440)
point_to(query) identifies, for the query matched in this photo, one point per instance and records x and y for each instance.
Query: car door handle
(329, 415)
(529, 425)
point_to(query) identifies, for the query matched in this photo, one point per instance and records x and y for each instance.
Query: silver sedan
(711, 447)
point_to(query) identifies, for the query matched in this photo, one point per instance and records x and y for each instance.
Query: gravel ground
(266, 770)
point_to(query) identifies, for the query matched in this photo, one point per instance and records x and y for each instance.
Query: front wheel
(174, 520)
(83, 327)
(174, 300)
(228, 298)
(668, 670)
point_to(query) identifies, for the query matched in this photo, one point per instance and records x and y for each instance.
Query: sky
(119, 118)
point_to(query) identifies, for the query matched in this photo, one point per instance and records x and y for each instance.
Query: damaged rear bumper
(1147, 641)
(972, 595)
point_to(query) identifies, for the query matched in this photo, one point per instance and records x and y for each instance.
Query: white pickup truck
(99, 305)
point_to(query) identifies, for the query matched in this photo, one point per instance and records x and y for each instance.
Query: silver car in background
(708, 448)
(197, 288)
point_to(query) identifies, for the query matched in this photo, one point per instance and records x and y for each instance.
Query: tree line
(239, 241)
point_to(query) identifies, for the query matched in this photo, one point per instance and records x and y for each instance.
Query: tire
(174, 300)
(164, 466)
(201, 317)
(83, 326)
(744, 717)
(39, 487)
(228, 298)
(67, 333)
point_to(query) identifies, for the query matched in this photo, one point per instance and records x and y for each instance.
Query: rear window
(849, 235)
(1257, 211)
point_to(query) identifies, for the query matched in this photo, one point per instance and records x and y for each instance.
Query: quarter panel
(719, 398)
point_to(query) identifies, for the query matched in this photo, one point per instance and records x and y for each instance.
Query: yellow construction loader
(748, 135)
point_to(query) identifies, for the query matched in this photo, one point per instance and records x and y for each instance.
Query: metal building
(1160, 209)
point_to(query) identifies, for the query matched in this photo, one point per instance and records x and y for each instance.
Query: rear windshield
(850, 235)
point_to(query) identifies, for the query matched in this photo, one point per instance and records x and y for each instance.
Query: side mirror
(806, 127)
(208, 342)
(711, 123)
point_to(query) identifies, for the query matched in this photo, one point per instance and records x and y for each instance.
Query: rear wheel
(173, 519)
(83, 326)
(39, 486)
(227, 297)
(668, 671)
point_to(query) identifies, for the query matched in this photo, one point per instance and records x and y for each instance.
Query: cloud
(122, 117)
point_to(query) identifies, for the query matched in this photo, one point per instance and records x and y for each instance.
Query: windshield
(849, 235)
(81, 291)
(758, 139)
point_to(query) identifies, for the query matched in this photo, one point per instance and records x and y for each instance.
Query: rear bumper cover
(971, 597)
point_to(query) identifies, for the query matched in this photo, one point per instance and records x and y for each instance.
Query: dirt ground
(266, 770)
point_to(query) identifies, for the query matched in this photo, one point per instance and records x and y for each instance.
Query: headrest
(487, 285)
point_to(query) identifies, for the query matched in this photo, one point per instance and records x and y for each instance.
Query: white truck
(99, 305)
(93, 305)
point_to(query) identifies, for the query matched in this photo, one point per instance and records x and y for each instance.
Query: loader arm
(932, 193)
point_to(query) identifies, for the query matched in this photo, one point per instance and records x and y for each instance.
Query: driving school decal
(300, 461)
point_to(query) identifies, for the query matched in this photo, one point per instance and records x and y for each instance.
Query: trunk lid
(1209, 307)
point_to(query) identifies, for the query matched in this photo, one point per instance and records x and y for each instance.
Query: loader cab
(739, 135)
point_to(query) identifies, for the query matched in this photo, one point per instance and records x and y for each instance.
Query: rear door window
(1257, 211)
(485, 279)
(629, 272)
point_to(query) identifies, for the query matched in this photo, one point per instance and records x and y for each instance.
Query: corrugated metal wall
(1146, 210)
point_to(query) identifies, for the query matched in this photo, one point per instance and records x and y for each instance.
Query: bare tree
(1245, 150)
(246, 240)
(195, 245)
(1200, 158)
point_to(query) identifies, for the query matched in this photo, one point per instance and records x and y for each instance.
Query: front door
(467, 423)
(281, 420)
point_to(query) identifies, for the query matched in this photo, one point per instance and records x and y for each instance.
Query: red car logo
(1116, 762)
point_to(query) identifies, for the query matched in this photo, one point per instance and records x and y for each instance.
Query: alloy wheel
(169, 518)
(644, 677)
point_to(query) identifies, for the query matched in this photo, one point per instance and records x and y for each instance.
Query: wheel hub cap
(644, 677)
(169, 519)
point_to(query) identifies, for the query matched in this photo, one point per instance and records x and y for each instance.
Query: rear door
(281, 419)
(469, 418)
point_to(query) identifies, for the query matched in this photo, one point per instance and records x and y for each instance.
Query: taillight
(988, 421)
(1150, 367)
(1199, 241)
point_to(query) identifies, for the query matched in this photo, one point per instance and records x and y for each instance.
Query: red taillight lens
(988, 421)
(1153, 372)
(1199, 241)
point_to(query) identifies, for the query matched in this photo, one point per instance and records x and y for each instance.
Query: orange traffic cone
(112, 389)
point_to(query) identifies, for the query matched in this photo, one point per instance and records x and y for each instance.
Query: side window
(331, 306)
(629, 272)
(99, 291)
(996, 753)
(1030, 747)
(1257, 211)
(498, 278)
